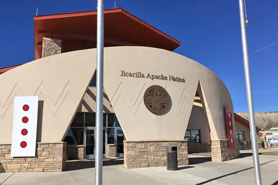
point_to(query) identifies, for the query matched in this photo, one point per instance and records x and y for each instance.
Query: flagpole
(256, 161)
(99, 98)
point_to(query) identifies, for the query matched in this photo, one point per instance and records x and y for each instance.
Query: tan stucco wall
(198, 120)
(126, 93)
(240, 127)
(61, 81)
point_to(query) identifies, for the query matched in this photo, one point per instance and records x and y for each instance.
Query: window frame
(191, 137)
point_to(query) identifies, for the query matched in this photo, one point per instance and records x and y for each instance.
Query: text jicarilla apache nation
(152, 76)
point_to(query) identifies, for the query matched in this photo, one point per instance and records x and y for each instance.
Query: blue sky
(209, 32)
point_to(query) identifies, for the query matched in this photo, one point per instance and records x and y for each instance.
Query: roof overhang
(243, 121)
(121, 28)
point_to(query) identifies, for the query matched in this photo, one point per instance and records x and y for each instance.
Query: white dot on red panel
(229, 115)
(25, 107)
(232, 140)
(23, 144)
(230, 124)
(231, 131)
(24, 132)
(25, 119)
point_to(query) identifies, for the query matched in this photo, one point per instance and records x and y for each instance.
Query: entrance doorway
(90, 138)
(119, 142)
(240, 136)
(82, 134)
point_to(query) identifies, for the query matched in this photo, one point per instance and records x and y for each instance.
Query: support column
(220, 150)
(140, 154)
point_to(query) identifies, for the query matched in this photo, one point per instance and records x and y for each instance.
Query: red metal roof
(241, 120)
(5, 69)
(78, 31)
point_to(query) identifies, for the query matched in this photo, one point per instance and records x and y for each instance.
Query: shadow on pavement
(84, 164)
(185, 167)
(242, 155)
(1, 169)
(198, 160)
(232, 173)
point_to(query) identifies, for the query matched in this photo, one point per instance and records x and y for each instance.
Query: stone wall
(50, 157)
(220, 150)
(139, 154)
(51, 47)
(75, 152)
(198, 147)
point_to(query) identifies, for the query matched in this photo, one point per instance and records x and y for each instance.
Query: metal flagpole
(99, 112)
(256, 162)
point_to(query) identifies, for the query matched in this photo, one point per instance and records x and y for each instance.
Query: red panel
(230, 127)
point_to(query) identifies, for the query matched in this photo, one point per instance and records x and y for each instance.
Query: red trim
(243, 121)
(75, 14)
(114, 10)
(150, 26)
(5, 69)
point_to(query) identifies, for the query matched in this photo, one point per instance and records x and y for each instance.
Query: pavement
(200, 171)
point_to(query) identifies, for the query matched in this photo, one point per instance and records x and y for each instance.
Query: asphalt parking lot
(200, 171)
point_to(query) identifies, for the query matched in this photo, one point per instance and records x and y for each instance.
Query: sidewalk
(234, 172)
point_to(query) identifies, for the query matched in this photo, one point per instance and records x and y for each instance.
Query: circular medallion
(157, 100)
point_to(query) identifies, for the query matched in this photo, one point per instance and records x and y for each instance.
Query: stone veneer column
(139, 154)
(220, 151)
(49, 157)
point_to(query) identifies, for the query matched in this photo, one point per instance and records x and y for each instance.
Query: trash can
(172, 157)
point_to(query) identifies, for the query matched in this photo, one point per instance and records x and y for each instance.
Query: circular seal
(157, 100)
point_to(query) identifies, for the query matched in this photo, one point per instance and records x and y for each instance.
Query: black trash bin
(172, 157)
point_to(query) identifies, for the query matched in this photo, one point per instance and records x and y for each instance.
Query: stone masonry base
(220, 151)
(198, 147)
(75, 152)
(139, 154)
(49, 157)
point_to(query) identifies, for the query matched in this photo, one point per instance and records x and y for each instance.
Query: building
(269, 138)
(153, 97)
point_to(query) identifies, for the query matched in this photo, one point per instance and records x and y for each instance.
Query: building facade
(153, 97)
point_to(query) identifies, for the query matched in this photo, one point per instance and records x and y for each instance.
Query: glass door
(119, 142)
(241, 138)
(89, 143)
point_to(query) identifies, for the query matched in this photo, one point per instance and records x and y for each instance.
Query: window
(93, 82)
(117, 124)
(90, 119)
(240, 137)
(83, 121)
(69, 138)
(110, 135)
(111, 119)
(78, 120)
(192, 136)
(78, 134)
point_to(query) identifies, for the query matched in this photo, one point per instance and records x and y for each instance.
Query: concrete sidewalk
(234, 172)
